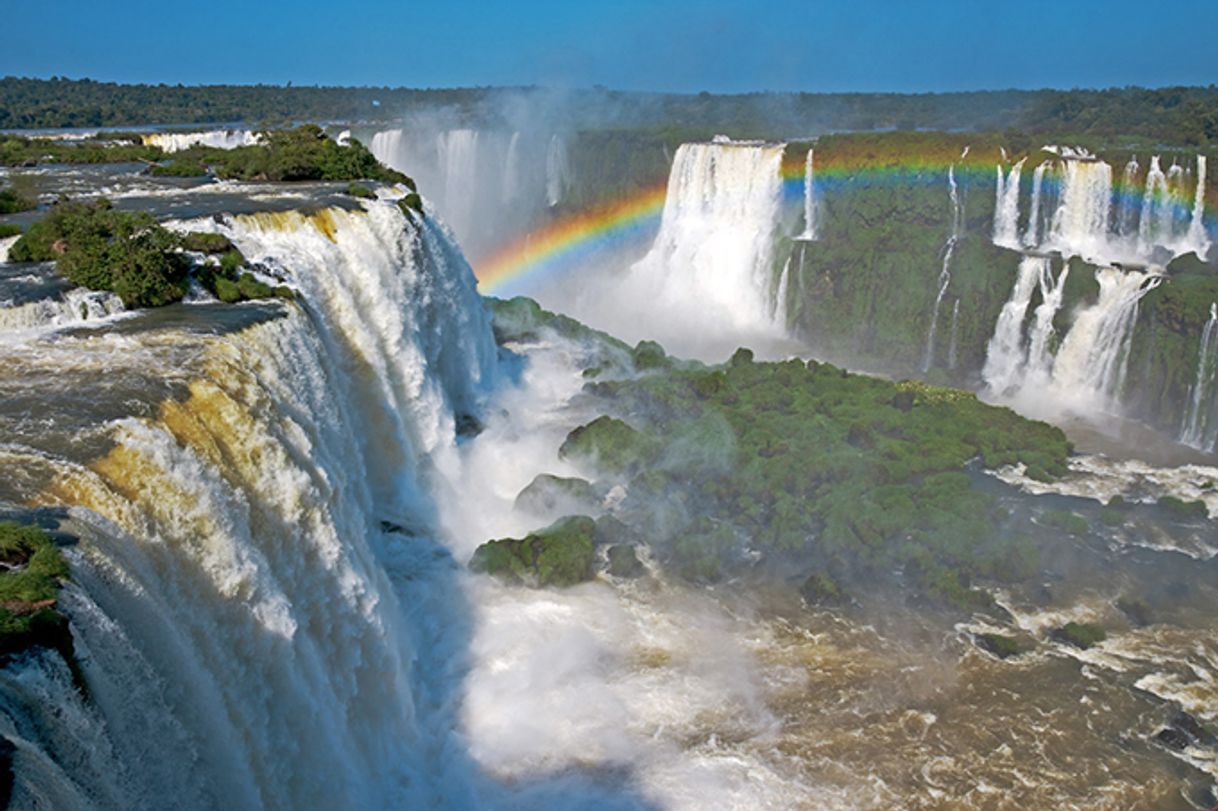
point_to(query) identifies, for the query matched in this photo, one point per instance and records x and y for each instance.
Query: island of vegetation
(131, 255)
(846, 478)
(33, 570)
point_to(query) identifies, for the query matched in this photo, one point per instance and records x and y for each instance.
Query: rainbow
(557, 245)
(566, 242)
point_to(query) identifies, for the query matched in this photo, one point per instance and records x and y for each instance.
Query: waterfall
(712, 258)
(1087, 371)
(1198, 240)
(489, 186)
(219, 139)
(1005, 354)
(511, 170)
(1127, 216)
(1006, 207)
(1039, 364)
(1155, 202)
(809, 232)
(75, 306)
(249, 632)
(557, 171)
(1090, 365)
(1080, 224)
(1200, 429)
(1032, 234)
(945, 272)
(780, 298)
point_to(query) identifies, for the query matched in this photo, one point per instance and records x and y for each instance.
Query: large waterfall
(712, 259)
(250, 587)
(1006, 210)
(488, 185)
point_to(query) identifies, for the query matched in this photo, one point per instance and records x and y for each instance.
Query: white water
(710, 264)
(1200, 426)
(945, 271)
(1092, 220)
(809, 232)
(251, 638)
(1006, 207)
(558, 171)
(954, 345)
(220, 139)
(1086, 373)
(488, 185)
(76, 306)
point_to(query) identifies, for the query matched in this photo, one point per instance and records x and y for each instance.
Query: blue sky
(715, 45)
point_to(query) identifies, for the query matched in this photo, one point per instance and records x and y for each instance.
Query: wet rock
(562, 554)
(468, 426)
(1191, 727)
(1136, 610)
(547, 494)
(624, 562)
(1173, 739)
(821, 589)
(1081, 635)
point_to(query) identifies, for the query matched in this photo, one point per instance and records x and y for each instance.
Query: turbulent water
(221, 139)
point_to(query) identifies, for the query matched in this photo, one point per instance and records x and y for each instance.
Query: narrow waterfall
(512, 170)
(1039, 364)
(1127, 216)
(558, 171)
(235, 599)
(1032, 234)
(1006, 352)
(1198, 239)
(712, 259)
(1006, 207)
(809, 232)
(945, 271)
(1200, 428)
(1156, 203)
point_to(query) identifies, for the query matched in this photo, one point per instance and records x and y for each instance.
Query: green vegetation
(562, 554)
(1001, 646)
(852, 475)
(521, 319)
(16, 150)
(1081, 635)
(13, 200)
(97, 247)
(546, 493)
(1167, 114)
(304, 153)
(131, 255)
(1067, 521)
(8, 229)
(363, 192)
(1182, 510)
(33, 570)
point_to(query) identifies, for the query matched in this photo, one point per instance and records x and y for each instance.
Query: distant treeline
(1181, 115)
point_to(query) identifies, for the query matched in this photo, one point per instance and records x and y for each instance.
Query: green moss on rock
(1081, 635)
(609, 444)
(560, 555)
(547, 493)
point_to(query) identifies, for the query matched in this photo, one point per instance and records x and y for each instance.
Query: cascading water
(945, 272)
(1127, 217)
(219, 139)
(1006, 207)
(809, 232)
(557, 171)
(1080, 224)
(1087, 371)
(1032, 234)
(713, 255)
(1006, 352)
(1197, 237)
(488, 186)
(236, 600)
(953, 348)
(1200, 428)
